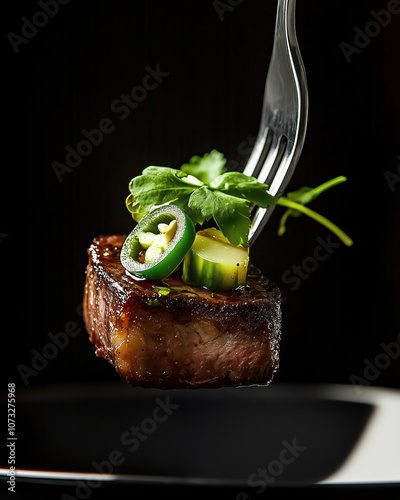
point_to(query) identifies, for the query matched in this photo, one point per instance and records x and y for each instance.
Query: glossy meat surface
(171, 335)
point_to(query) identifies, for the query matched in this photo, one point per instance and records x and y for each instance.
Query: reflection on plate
(281, 435)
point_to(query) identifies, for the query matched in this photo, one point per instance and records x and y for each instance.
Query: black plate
(281, 435)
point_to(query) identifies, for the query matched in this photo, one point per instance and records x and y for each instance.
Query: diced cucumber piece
(214, 263)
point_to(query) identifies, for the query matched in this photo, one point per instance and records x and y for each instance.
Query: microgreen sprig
(295, 201)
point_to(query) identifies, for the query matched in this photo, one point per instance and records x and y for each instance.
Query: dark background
(65, 79)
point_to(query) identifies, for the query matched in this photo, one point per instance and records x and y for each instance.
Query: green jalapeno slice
(158, 244)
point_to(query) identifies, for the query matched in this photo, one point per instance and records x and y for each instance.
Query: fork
(284, 115)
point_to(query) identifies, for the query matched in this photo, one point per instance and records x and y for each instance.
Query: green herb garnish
(296, 200)
(204, 190)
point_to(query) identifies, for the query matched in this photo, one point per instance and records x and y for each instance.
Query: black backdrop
(211, 64)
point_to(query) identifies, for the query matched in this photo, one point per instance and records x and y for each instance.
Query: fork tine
(284, 171)
(272, 160)
(253, 163)
(258, 222)
(281, 177)
(265, 156)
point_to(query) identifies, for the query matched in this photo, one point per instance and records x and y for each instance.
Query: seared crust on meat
(167, 334)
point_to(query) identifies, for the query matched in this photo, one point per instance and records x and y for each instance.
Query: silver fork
(284, 115)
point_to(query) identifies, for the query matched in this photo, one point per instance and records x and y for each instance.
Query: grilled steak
(170, 335)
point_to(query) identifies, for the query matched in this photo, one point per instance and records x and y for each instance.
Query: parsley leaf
(243, 186)
(159, 185)
(206, 168)
(231, 214)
